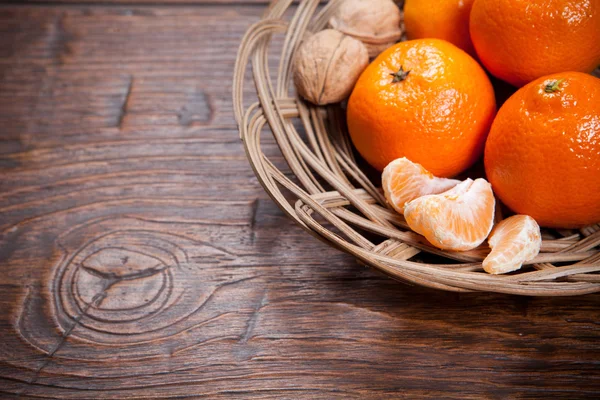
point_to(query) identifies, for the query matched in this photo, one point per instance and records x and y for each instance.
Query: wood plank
(140, 258)
(127, 55)
(169, 3)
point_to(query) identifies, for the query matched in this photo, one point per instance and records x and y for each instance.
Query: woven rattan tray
(328, 195)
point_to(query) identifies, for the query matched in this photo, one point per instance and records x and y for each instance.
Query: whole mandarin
(448, 20)
(521, 40)
(542, 156)
(426, 100)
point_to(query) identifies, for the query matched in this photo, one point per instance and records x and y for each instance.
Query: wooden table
(141, 258)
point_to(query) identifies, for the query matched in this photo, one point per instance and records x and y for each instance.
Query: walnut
(376, 23)
(327, 65)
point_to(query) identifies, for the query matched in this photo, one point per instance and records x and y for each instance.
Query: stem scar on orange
(425, 100)
(542, 156)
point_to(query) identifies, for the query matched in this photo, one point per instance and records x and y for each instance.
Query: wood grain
(168, 3)
(140, 257)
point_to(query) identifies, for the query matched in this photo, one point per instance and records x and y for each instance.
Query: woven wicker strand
(332, 199)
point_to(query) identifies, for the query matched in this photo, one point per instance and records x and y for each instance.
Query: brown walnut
(376, 23)
(327, 65)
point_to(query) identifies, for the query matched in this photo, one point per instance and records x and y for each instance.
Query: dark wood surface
(140, 257)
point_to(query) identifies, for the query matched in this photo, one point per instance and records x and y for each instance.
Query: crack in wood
(199, 108)
(254, 212)
(582, 321)
(58, 42)
(252, 321)
(123, 110)
(96, 300)
(114, 277)
(206, 302)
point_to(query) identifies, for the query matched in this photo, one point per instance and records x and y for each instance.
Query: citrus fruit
(448, 20)
(458, 219)
(425, 100)
(404, 180)
(521, 40)
(542, 156)
(513, 241)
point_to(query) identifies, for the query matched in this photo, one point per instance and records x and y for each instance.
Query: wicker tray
(327, 194)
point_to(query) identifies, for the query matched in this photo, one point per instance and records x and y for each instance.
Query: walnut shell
(376, 23)
(327, 65)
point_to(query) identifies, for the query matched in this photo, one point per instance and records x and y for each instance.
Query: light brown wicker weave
(327, 194)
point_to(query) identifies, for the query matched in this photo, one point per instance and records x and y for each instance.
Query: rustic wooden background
(139, 257)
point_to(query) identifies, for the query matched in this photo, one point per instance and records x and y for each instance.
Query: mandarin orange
(426, 100)
(542, 156)
(448, 20)
(521, 40)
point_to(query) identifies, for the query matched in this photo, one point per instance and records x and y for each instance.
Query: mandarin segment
(425, 100)
(403, 181)
(513, 241)
(459, 219)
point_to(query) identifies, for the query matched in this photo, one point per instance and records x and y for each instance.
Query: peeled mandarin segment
(404, 180)
(514, 241)
(459, 219)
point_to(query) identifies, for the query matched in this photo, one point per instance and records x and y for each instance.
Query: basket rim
(327, 180)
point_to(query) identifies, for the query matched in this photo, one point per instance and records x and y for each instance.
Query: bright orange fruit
(521, 40)
(513, 241)
(542, 156)
(448, 20)
(403, 180)
(426, 100)
(458, 219)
